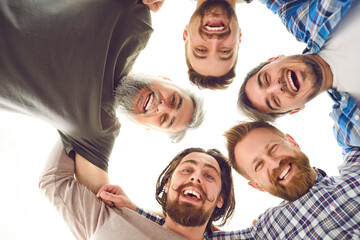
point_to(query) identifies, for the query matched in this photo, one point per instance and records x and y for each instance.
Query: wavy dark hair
(227, 188)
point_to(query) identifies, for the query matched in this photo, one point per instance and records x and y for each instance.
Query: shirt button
(343, 98)
(332, 208)
(357, 117)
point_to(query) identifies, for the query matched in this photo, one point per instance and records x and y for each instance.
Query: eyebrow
(221, 58)
(177, 108)
(259, 80)
(191, 161)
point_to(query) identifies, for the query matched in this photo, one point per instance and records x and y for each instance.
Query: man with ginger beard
(194, 190)
(316, 206)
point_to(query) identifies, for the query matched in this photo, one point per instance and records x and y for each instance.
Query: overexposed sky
(140, 155)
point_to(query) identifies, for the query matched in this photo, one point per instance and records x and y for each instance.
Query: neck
(231, 2)
(328, 76)
(190, 233)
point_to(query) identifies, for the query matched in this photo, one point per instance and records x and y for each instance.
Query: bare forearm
(90, 175)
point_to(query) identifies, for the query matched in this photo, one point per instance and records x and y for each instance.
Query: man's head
(196, 188)
(282, 85)
(159, 104)
(212, 40)
(270, 160)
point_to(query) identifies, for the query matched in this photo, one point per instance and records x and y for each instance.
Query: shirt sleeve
(153, 217)
(346, 118)
(95, 150)
(79, 207)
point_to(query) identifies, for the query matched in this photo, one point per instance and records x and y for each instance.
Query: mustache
(190, 184)
(275, 173)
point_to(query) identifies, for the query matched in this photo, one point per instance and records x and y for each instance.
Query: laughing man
(194, 190)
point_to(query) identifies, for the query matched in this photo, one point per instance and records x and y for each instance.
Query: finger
(149, 1)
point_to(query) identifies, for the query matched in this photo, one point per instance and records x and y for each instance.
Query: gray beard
(126, 93)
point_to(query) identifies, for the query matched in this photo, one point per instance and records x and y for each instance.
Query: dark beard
(316, 73)
(300, 183)
(186, 214)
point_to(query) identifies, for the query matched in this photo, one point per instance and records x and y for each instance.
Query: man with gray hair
(61, 62)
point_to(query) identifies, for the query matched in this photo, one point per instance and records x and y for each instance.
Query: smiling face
(274, 164)
(212, 38)
(194, 190)
(157, 104)
(286, 84)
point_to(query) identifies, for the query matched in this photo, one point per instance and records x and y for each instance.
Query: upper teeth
(187, 192)
(292, 82)
(149, 103)
(214, 28)
(285, 173)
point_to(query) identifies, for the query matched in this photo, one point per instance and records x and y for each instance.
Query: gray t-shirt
(60, 61)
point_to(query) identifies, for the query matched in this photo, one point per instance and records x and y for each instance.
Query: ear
(185, 33)
(297, 109)
(166, 78)
(220, 202)
(292, 141)
(255, 185)
(277, 57)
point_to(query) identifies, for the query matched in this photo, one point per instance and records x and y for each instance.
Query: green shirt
(61, 61)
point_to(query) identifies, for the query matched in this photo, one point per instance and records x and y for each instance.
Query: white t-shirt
(342, 53)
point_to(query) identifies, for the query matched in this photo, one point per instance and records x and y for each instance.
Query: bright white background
(140, 155)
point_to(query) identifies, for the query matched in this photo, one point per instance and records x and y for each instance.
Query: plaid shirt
(346, 116)
(309, 21)
(330, 210)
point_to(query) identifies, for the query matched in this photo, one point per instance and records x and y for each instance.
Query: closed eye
(163, 119)
(258, 166)
(276, 101)
(272, 149)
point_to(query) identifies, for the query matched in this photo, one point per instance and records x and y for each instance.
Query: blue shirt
(346, 116)
(309, 21)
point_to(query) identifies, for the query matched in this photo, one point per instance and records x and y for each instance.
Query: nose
(272, 163)
(195, 177)
(163, 107)
(276, 87)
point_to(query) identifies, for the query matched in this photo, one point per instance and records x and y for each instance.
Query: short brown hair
(210, 82)
(227, 187)
(237, 133)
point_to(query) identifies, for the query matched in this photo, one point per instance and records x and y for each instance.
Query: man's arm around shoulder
(78, 206)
